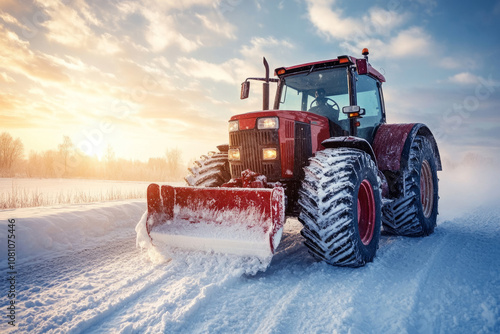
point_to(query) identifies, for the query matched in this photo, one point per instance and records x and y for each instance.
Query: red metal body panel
(388, 145)
(371, 70)
(320, 130)
(300, 116)
(247, 123)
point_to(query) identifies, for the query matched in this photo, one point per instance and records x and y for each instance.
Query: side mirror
(353, 110)
(362, 66)
(245, 90)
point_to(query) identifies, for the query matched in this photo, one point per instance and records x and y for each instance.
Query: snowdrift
(58, 229)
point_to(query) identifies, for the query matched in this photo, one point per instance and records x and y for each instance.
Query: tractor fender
(351, 142)
(392, 145)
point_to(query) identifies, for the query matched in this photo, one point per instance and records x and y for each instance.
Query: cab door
(368, 97)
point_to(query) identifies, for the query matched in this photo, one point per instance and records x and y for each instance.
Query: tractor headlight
(269, 153)
(233, 126)
(268, 123)
(233, 154)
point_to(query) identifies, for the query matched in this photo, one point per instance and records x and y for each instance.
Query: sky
(147, 76)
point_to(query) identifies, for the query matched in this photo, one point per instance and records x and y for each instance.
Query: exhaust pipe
(265, 86)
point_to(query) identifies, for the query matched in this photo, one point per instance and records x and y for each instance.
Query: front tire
(211, 170)
(340, 204)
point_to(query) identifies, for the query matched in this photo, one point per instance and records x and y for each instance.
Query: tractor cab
(334, 89)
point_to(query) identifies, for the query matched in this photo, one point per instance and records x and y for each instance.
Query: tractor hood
(292, 133)
(248, 121)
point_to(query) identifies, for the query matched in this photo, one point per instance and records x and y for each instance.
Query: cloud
(413, 41)
(17, 56)
(234, 70)
(262, 45)
(383, 21)
(451, 62)
(68, 89)
(178, 4)
(65, 25)
(465, 78)
(25, 111)
(161, 32)
(379, 29)
(72, 27)
(218, 25)
(204, 70)
(12, 5)
(330, 22)
(6, 78)
(7, 18)
(166, 26)
(162, 61)
(8, 102)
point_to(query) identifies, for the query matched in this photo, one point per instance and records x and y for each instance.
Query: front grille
(303, 148)
(251, 143)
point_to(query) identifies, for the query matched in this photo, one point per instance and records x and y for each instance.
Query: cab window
(300, 92)
(368, 97)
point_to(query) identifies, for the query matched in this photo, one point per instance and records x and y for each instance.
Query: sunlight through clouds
(167, 73)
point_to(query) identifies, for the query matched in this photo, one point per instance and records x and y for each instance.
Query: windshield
(323, 92)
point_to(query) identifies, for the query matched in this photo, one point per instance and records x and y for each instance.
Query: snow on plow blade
(242, 221)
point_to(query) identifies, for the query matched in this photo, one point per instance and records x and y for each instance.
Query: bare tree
(109, 156)
(34, 165)
(110, 160)
(157, 168)
(65, 150)
(68, 161)
(173, 157)
(10, 151)
(48, 163)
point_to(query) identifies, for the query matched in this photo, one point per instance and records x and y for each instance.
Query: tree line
(67, 161)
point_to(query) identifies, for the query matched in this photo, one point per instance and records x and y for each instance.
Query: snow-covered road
(446, 283)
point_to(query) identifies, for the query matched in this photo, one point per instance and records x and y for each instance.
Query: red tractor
(325, 154)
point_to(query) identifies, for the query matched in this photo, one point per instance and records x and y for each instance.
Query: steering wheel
(334, 104)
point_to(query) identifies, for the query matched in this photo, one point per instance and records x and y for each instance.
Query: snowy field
(79, 271)
(25, 192)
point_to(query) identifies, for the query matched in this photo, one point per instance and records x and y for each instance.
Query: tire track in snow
(432, 248)
(386, 303)
(285, 298)
(432, 284)
(355, 298)
(198, 280)
(190, 282)
(48, 272)
(70, 290)
(142, 285)
(273, 320)
(459, 271)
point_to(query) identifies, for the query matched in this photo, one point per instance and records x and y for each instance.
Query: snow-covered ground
(26, 192)
(79, 271)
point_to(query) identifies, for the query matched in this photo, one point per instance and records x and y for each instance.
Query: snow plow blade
(241, 221)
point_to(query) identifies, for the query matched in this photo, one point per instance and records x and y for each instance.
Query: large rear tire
(340, 204)
(414, 213)
(211, 170)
